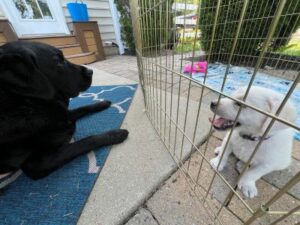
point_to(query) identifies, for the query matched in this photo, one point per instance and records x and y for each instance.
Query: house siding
(98, 10)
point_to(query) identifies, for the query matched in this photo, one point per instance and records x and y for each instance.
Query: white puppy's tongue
(218, 122)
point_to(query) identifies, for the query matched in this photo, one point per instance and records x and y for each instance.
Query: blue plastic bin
(78, 11)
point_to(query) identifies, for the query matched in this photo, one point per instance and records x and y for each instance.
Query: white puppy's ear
(287, 113)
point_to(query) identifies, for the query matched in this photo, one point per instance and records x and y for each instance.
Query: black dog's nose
(89, 72)
(213, 105)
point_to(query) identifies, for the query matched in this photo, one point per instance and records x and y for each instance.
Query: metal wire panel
(177, 104)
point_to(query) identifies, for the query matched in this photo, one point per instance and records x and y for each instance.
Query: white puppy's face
(262, 98)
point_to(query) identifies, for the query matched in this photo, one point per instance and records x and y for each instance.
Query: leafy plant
(156, 24)
(126, 24)
(254, 29)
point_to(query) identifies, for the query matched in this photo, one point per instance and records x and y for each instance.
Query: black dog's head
(40, 71)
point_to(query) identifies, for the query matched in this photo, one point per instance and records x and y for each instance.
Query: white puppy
(276, 148)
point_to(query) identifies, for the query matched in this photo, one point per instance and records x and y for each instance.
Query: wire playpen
(239, 42)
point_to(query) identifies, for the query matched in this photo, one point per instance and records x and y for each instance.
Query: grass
(293, 48)
(186, 40)
(187, 46)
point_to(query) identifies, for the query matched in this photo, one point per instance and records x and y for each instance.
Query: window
(33, 9)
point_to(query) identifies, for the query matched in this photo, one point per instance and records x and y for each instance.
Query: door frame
(117, 26)
(15, 20)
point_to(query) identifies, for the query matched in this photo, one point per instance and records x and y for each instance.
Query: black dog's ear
(19, 74)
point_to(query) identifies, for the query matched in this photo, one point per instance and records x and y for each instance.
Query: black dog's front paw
(80, 112)
(118, 136)
(99, 106)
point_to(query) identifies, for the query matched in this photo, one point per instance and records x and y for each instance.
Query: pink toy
(199, 67)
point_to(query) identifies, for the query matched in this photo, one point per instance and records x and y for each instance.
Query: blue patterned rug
(59, 198)
(240, 76)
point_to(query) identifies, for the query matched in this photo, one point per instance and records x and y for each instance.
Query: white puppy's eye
(238, 104)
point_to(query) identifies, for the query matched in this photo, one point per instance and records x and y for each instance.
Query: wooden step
(53, 40)
(73, 49)
(3, 39)
(83, 58)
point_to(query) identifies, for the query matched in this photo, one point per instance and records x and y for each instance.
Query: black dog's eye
(61, 57)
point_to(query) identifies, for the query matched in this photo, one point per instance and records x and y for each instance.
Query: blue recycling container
(78, 11)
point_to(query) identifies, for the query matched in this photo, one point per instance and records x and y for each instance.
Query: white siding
(98, 10)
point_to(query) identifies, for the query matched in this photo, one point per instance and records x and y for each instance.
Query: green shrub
(157, 24)
(254, 29)
(126, 24)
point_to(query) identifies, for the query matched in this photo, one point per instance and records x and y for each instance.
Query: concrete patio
(133, 170)
(140, 184)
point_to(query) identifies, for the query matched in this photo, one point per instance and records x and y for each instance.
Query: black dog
(36, 83)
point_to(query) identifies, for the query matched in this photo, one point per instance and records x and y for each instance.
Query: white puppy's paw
(248, 188)
(214, 163)
(218, 150)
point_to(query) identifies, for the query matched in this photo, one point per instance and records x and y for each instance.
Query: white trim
(117, 27)
(61, 15)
